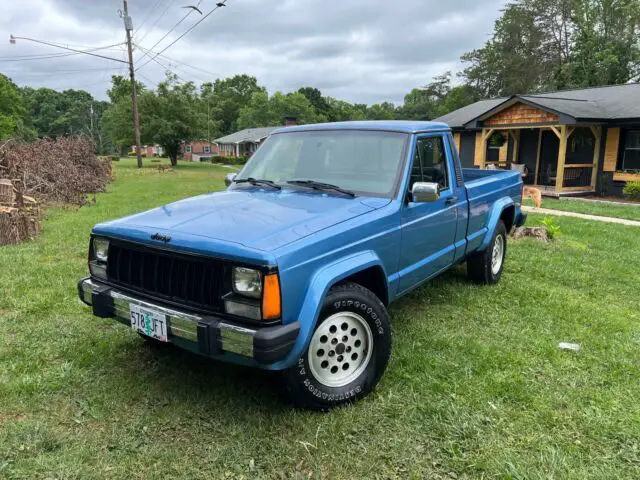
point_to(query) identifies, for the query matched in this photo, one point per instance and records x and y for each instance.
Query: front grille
(182, 279)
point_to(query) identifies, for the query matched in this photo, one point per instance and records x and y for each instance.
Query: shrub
(114, 158)
(632, 190)
(218, 159)
(553, 229)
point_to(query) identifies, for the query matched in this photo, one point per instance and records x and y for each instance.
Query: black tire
(306, 390)
(479, 265)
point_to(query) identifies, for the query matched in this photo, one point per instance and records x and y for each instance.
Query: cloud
(364, 51)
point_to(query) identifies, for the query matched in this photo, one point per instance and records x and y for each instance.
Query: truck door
(428, 229)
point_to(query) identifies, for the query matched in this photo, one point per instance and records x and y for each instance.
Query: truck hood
(255, 218)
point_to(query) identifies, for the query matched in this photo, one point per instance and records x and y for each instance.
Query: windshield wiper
(320, 186)
(258, 181)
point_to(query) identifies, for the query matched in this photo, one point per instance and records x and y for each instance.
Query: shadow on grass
(132, 371)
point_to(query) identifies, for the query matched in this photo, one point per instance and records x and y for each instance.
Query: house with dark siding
(581, 141)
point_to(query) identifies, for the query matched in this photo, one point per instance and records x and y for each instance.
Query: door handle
(451, 201)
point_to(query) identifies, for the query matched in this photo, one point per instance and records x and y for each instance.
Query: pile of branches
(57, 171)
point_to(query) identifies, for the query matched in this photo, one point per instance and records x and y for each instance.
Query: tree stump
(536, 232)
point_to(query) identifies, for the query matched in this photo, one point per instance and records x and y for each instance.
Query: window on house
(630, 153)
(187, 149)
(207, 149)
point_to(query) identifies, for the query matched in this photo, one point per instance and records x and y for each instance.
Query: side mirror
(424, 192)
(229, 178)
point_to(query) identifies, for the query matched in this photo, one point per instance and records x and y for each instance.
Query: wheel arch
(364, 266)
(503, 209)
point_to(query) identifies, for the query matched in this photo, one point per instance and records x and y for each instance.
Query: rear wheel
(348, 352)
(486, 267)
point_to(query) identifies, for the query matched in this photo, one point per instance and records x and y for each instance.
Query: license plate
(149, 322)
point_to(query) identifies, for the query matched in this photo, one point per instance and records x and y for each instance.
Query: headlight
(98, 262)
(247, 282)
(101, 249)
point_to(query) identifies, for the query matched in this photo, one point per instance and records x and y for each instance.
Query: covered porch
(560, 158)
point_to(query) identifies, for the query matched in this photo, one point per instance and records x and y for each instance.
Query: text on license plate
(149, 322)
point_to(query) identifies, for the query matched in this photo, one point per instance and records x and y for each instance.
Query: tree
(171, 115)
(555, 44)
(11, 107)
(225, 98)
(381, 111)
(264, 111)
(316, 99)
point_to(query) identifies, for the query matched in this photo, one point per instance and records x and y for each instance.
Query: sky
(362, 51)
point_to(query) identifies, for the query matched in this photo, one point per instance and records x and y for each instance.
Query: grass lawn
(476, 387)
(630, 212)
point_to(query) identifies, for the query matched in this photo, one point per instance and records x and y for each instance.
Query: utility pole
(128, 25)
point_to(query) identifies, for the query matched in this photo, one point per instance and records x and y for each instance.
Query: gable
(521, 113)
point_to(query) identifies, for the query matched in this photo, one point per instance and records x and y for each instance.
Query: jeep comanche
(293, 266)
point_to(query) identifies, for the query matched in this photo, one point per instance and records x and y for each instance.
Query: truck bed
(484, 187)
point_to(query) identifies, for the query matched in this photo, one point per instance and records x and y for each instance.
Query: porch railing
(577, 176)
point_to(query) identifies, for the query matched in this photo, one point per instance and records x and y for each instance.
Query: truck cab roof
(402, 126)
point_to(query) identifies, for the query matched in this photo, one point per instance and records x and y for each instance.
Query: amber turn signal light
(271, 302)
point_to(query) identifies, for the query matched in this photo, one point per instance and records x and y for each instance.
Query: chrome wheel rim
(497, 255)
(340, 349)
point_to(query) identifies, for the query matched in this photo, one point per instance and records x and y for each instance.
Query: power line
(171, 30)
(77, 52)
(157, 20)
(221, 4)
(151, 10)
(170, 59)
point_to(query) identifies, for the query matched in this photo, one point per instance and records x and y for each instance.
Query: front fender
(494, 217)
(323, 279)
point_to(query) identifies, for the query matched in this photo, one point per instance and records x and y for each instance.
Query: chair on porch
(550, 176)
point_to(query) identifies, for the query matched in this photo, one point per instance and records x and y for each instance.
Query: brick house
(193, 151)
(149, 151)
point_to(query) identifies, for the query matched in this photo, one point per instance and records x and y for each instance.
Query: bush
(114, 158)
(238, 160)
(218, 159)
(553, 229)
(632, 190)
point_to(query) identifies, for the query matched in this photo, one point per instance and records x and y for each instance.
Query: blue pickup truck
(293, 266)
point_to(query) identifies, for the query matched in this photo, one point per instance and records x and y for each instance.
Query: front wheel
(486, 267)
(348, 352)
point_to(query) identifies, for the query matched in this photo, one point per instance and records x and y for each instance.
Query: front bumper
(207, 335)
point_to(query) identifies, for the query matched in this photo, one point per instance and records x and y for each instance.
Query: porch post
(562, 155)
(535, 180)
(486, 134)
(515, 134)
(597, 133)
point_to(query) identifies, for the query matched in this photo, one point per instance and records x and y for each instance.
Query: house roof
(458, 118)
(614, 102)
(372, 125)
(248, 135)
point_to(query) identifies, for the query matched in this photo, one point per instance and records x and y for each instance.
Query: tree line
(536, 45)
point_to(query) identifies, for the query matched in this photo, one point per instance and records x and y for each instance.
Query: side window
(430, 163)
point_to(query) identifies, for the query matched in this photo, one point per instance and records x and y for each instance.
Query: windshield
(367, 163)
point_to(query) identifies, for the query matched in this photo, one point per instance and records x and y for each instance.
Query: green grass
(630, 212)
(476, 388)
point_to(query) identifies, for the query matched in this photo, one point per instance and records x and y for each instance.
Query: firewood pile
(61, 171)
